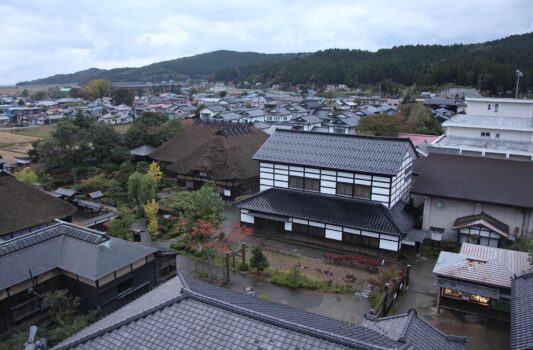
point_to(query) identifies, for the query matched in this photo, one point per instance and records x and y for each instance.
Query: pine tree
(258, 260)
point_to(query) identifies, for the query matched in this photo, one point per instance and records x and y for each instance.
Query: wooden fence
(391, 293)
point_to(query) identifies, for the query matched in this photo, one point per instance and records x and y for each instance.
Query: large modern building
(474, 199)
(346, 192)
(103, 271)
(491, 127)
(187, 314)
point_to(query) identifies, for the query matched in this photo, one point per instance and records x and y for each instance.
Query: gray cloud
(41, 38)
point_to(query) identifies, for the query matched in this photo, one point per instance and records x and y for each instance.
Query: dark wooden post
(243, 254)
(438, 301)
(233, 261)
(228, 278)
(407, 275)
(385, 300)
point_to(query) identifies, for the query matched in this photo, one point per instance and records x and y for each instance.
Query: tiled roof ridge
(382, 138)
(283, 323)
(122, 323)
(414, 314)
(388, 214)
(47, 233)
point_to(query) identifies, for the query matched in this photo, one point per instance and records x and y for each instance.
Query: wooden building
(478, 279)
(103, 271)
(216, 152)
(341, 191)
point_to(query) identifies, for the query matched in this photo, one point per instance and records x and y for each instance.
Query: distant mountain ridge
(220, 65)
(488, 66)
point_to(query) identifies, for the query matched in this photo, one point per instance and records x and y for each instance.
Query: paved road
(422, 295)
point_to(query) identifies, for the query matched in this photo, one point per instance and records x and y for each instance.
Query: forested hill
(489, 66)
(216, 65)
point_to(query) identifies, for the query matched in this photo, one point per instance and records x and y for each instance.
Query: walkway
(345, 307)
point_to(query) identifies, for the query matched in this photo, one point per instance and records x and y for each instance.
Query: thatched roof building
(220, 152)
(25, 208)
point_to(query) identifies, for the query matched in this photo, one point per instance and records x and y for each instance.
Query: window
(339, 131)
(497, 135)
(344, 189)
(496, 108)
(312, 184)
(350, 238)
(370, 242)
(125, 286)
(485, 134)
(312, 231)
(479, 299)
(452, 293)
(361, 191)
(304, 183)
(350, 190)
(296, 182)
(488, 107)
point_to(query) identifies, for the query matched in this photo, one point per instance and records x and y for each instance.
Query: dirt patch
(7, 138)
(341, 276)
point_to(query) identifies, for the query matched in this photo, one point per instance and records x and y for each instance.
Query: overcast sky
(45, 37)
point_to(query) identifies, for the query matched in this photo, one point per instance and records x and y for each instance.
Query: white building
(342, 191)
(491, 127)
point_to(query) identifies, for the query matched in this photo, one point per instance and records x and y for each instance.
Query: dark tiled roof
(521, 312)
(210, 317)
(333, 210)
(363, 154)
(84, 252)
(480, 179)
(411, 329)
(26, 206)
(470, 220)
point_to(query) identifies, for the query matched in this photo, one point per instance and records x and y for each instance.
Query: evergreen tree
(258, 261)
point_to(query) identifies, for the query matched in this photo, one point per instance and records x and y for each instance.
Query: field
(14, 145)
(17, 91)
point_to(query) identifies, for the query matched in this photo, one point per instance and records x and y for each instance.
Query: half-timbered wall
(384, 189)
(401, 183)
(335, 233)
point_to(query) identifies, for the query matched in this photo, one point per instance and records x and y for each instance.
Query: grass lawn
(40, 131)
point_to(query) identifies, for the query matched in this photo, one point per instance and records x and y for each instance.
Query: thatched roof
(222, 150)
(25, 206)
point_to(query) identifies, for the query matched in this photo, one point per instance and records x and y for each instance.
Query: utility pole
(518, 75)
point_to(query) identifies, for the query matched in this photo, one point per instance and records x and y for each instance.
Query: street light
(518, 75)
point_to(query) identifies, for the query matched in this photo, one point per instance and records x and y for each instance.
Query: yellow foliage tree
(151, 208)
(154, 170)
(99, 88)
(27, 176)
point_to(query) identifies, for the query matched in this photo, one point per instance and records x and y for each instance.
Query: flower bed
(359, 262)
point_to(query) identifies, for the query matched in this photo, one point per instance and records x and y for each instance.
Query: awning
(414, 236)
(483, 220)
(467, 287)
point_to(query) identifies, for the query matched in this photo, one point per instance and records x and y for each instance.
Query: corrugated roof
(363, 154)
(482, 264)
